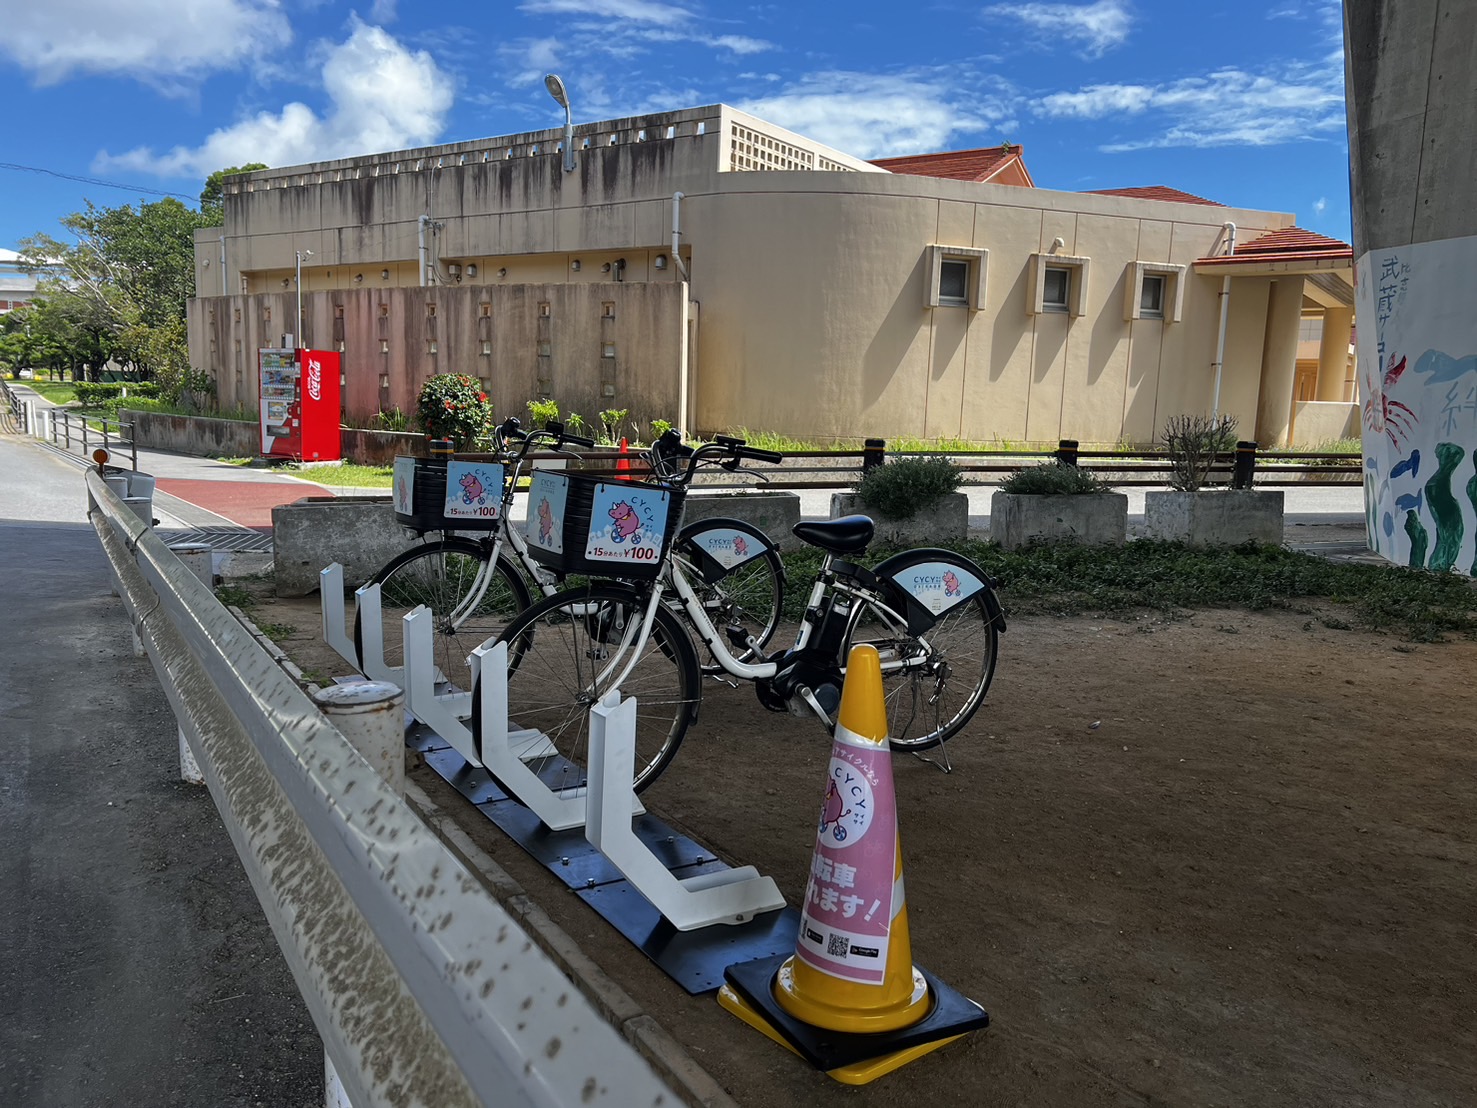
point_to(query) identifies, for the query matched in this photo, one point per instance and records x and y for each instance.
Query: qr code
(838, 946)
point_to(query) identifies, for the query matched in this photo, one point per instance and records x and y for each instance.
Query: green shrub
(453, 406)
(909, 485)
(1053, 479)
(1192, 443)
(543, 412)
(610, 424)
(94, 394)
(660, 427)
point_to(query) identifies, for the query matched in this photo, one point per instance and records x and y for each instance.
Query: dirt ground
(1222, 860)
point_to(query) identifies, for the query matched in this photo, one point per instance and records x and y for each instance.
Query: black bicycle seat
(847, 535)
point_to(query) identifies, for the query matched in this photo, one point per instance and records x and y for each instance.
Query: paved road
(138, 967)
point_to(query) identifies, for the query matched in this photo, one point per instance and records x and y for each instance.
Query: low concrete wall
(1094, 519)
(946, 521)
(1320, 421)
(1217, 517)
(201, 436)
(774, 513)
(210, 437)
(360, 533)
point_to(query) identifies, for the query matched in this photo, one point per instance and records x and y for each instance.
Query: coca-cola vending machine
(300, 404)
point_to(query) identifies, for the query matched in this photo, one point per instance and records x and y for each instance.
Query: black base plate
(694, 959)
(952, 1014)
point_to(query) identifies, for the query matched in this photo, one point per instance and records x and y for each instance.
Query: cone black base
(951, 1015)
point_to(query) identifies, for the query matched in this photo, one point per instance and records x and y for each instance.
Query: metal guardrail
(72, 431)
(424, 989)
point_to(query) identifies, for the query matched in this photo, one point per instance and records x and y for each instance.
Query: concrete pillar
(1279, 363)
(1333, 354)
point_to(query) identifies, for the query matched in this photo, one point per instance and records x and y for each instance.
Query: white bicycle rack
(727, 896)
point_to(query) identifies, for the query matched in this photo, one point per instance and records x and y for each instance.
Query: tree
(212, 197)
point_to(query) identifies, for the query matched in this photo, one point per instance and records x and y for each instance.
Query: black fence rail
(75, 433)
(829, 469)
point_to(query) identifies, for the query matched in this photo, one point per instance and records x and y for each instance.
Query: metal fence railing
(76, 433)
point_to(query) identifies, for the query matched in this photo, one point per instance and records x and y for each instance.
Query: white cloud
(1098, 27)
(642, 11)
(159, 42)
(1320, 205)
(874, 116)
(1230, 107)
(382, 12)
(383, 96)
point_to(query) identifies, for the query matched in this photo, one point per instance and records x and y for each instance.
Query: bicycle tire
(962, 647)
(749, 596)
(556, 651)
(442, 575)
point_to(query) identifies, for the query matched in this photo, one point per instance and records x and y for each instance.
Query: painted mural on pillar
(1418, 378)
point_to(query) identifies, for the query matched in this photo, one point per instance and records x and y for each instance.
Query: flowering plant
(453, 406)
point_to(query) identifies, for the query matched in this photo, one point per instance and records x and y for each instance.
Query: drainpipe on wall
(224, 290)
(420, 245)
(677, 234)
(1220, 342)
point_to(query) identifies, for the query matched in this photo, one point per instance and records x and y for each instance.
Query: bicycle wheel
(445, 576)
(747, 597)
(952, 664)
(566, 652)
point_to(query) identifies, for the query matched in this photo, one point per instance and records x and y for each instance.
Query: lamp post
(557, 90)
(298, 326)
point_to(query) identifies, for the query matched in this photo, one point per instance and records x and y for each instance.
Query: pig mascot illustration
(627, 524)
(832, 812)
(472, 490)
(951, 583)
(740, 547)
(545, 521)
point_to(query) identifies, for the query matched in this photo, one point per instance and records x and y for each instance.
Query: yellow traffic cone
(850, 1000)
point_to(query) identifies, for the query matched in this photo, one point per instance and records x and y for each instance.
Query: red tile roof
(956, 165)
(1157, 192)
(1288, 244)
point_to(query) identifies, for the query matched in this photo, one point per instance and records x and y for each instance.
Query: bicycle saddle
(847, 535)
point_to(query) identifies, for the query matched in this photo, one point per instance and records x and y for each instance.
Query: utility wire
(95, 181)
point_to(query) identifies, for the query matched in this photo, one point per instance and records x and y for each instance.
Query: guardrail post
(874, 454)
(1066, 452)
(1245, 463)
(371, 715)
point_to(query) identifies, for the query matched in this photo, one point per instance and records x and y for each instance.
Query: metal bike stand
(729, 896)
(331, 600)
(507, 753)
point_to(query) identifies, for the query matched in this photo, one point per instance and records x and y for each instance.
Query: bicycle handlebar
(723, 450)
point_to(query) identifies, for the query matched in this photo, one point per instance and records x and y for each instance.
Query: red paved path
(248, 503)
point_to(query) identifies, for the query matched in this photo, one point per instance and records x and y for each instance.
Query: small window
(953, 282)
(1055, 287)
(1151, 297)
(956, 277)
(1058, 284)
(486, 349)
(431, 347)
(607, 350)
(484, 310)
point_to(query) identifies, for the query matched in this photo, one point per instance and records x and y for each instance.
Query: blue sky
(1240, 101)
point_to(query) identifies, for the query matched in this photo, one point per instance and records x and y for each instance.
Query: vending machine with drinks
(299, 404)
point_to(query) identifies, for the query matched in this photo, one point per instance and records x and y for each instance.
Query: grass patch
(234, 596)
(58, 392)
(350, 475)
(1062, 579)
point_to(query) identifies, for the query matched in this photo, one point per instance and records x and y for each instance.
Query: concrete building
(17, 287)
(709, 267)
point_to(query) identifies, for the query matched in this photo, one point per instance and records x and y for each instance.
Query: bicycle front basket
(602, 527)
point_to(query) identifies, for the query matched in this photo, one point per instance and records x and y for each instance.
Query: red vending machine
(300, 404)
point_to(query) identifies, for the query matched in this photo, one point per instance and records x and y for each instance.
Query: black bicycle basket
(420, 493)
(601, 526)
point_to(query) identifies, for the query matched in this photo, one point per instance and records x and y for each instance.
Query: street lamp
(561, 97)
(298, 326)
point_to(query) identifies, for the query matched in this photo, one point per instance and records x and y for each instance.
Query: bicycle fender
(940, 580)
(720, 545)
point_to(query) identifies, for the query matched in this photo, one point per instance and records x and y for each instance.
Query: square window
(607, 350)
(486, 349)
(1056, 285)
(1151, 297)
(484, 310)
(431, 347)
(953, 282)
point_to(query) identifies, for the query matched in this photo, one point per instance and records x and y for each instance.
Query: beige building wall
(809, 287)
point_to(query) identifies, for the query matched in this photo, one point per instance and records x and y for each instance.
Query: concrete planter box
(774, 513)
(360, 533)
(1093, 519)
(946, 521)
(1214, 517)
